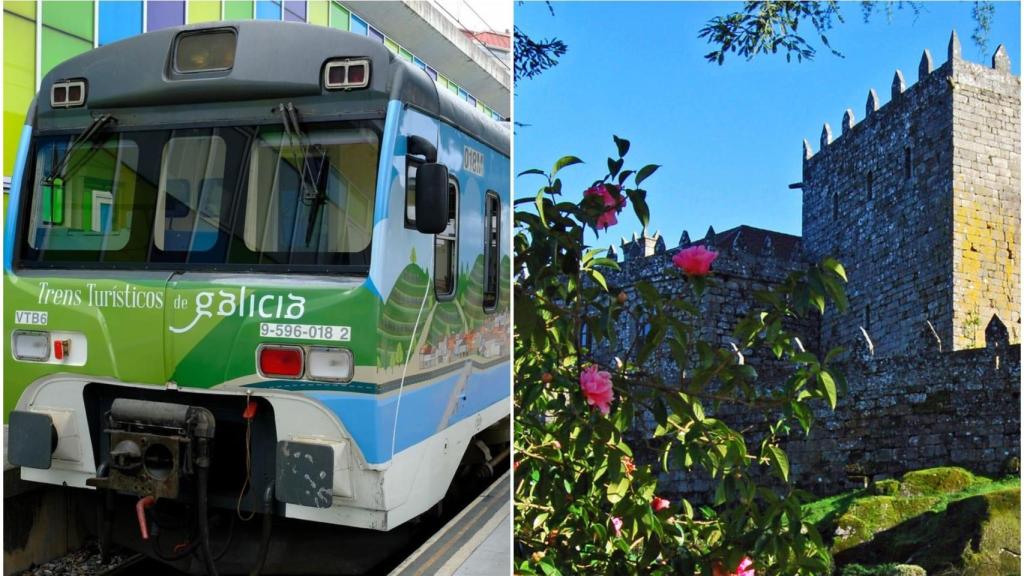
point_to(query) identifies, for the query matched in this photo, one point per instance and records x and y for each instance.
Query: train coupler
(153, 446)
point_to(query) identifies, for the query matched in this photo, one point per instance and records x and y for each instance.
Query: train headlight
(31, 345)
(346, 74)
(331, 364)
(67, 94)
(205, 51)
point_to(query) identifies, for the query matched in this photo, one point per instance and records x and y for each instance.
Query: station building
(39, 35)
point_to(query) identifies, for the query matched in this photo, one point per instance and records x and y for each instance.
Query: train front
(188, 250)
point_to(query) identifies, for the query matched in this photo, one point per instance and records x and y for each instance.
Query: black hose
(202, 508)
(106, 504)
(268, 517)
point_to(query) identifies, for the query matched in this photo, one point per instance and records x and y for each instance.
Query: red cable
(140, 512)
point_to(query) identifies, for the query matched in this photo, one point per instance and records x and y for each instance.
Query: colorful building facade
(38, 35)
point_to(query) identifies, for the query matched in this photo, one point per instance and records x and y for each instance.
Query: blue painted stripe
(15, 198)
(371, 419)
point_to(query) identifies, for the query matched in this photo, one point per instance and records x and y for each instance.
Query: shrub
(583, 505)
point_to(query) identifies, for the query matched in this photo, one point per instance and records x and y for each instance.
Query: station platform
(477, 542)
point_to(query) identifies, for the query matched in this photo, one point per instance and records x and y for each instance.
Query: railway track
(85, 561)
(140, 564)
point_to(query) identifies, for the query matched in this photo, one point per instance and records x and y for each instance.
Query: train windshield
(217, 198)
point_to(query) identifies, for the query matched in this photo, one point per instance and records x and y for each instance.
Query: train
(256, 281)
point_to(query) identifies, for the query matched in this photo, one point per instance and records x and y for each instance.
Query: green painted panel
(21, 7)
(403, 53)
(453, 87)
(317, 12)
(339, 17)
(238, 10)
(58, 47)
(19, 81)
(72, 17)
(203, 11)
(391, 45)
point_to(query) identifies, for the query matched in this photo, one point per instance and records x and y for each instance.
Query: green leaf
(614, 166)
(829, 384)
(639, 200)
(645, 172)
(540, 208)
(779, 461)
(616, 490)
(835, 267)
(563, 162)
(532, 171)
(622, 144)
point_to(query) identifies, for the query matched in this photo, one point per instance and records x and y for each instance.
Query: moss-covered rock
(934, 481)
(883, 570)
(975, 536)
(885, 488)
(872, 514)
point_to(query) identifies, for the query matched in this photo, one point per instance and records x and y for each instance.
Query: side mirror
(420, 146)
(432, 198)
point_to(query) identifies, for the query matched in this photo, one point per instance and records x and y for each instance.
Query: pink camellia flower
(744, 569)
(695, 260)
(659, 504)
(612, 205)
(597, 387)
(617, 525)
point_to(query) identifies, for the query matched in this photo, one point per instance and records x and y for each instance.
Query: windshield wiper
(84, 136)
(312, 190)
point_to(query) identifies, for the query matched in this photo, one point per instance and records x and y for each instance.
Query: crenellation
(848, 120)
(954, 51)
(898, 85)
(925, 67)
(872, 103)
(1001, 60)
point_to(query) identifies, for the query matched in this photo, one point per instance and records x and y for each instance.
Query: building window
(871, 185)
(446, 248)
(492, 244)
(907, 168)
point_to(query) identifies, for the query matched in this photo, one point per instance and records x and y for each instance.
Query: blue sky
(729, 138)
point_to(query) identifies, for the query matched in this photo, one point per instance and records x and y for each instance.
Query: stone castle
(920, 201)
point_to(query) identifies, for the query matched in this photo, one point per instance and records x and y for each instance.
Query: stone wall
(750, 260)
(879, 199)
(986, 199)
(900, 413)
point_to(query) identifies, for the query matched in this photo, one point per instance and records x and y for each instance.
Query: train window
(446, 248)
(492, 248)
(411, 166)
(87, 206)
(241, 197)
(313, 197)
(189, 193)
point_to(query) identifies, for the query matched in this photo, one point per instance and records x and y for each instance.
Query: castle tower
(920, 201)
(643, 246)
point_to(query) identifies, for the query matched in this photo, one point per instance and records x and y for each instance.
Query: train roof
(273, 61)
